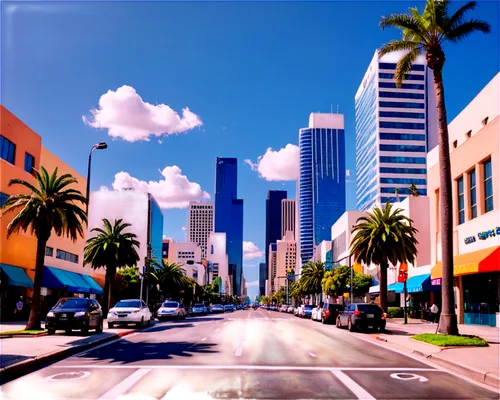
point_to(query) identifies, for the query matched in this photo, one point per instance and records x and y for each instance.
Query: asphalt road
(245, 354)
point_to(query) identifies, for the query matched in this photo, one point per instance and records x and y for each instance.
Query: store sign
(483, 235)
(436, 282)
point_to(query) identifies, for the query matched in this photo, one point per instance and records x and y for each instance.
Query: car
(330, 312)
(171, 309)
(316, 314)
(228, 308)
(306, 311)
(75, 313)
(362, 316)
(290, 309)
(130, 311)
(217, 308)
(199, 309)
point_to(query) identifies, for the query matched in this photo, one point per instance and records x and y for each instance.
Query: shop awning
(16, 276)
(374, 289)
(55, 278)
(485, 260)
(94, 286)
(419, 283)
(390, 288)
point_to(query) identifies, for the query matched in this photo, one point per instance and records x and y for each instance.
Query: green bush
(395, 312)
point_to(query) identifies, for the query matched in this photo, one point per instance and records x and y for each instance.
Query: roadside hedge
(395, 312)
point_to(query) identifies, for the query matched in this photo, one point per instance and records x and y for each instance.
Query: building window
(455, 144)
(488, 186)
(3, 199)
(29, 163)
(472, 194)
(64, 255)
(49, 251)
(485, 121)
(7, 150)
(468, 134)
(461, 201)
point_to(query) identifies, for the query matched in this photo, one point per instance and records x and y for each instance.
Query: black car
(75, 313)
(362, 316)
(330, 312)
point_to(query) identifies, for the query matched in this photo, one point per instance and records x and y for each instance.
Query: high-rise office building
(200, 224)
(321, 180)
(273, 219)
(272, 269)
(395, 128)
(228, 216)
(262, 278)
(288, 214)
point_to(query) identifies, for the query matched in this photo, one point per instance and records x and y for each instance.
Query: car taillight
(357, 312)
(327, 313)
(384, 315)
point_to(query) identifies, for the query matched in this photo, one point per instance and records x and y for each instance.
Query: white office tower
(395, 128)
(200, 224)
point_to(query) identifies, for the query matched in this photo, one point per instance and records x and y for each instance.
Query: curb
(29, 365)
(484, 377)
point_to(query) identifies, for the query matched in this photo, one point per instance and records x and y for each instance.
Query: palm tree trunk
(104, 300)
(383, 285)
(448, 319)
(111, 272)
(36, 304)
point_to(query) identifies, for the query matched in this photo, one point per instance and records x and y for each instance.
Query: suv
(330, 312)
(362, 316)
(75, 313)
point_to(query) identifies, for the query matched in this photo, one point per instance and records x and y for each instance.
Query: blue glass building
(262, 278)
(393, 133)
(228, 216)
(273, 220)
(321, 180)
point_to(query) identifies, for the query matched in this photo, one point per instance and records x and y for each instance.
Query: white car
(171, 309)
(128, 312)
(316, 314)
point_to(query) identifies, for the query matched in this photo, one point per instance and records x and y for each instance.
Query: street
(246, 354)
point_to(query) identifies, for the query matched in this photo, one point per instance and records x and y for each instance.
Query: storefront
(477, 286)
(14, 286)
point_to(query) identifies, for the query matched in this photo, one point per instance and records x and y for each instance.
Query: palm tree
(383, 236)
(312, 277)
(427, 33)
(413, 190)
(111, 248)
(171, 278)
(48, 206)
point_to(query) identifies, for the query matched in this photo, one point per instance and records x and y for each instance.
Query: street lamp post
(352, 274)
(98, 146)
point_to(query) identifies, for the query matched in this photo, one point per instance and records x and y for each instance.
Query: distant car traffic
(228, 308)
(171, 309)
(131, 311)
(217, 308)
(74, 313)
(199, 309)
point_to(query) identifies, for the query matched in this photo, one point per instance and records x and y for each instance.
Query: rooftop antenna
(337, 108)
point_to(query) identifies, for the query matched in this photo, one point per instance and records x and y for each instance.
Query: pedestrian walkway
(480, 363)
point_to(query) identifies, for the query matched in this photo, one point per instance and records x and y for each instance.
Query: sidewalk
(21, 355)
(479, 363)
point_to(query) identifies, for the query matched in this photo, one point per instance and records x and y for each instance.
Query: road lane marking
(203, 339)
(239, 351)
(312, 354)
(249, 367)
(124, 385)
(224, 323)
(217, 330)
(358, 391)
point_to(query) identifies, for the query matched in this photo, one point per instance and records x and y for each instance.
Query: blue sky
(251, 71)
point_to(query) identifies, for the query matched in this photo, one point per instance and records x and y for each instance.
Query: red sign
(403, 273)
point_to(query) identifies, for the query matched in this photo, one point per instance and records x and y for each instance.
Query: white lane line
(124, 385)
(358, 391)
(224, 323)
(312, 354)
(239, 351)
(249, 367)
(203, 339)
(217, 330)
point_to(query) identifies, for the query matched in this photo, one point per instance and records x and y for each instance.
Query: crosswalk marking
(124, 385)
(358, 391)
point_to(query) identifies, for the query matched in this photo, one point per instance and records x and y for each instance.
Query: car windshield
(128, 304)
(170, 304)
(308, 307)
(369, 308)
(72, 303)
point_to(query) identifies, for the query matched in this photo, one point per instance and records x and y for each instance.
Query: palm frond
(460, 32)
(404, 65)
(456, 19)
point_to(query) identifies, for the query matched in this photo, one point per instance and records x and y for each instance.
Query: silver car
(171, 310)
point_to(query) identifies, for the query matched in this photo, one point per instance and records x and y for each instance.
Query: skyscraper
(288, 214)
(321, 179)
(273, 219)
(262, 278)
(200, 224)
(228, 216)
(395, 128)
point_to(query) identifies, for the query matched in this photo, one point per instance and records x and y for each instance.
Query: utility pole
(148, 265)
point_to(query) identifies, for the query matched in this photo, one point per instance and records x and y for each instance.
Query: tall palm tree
(427, 33)
(49, 205)
(111, 248)
(312, 277)
(171, 278)
(383, 236)
(414, 190)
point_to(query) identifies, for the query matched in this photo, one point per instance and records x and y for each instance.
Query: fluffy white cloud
(281, 165)
(173, 191)
(125, 115)
(253, 284)
(103, 189)
(251, 251)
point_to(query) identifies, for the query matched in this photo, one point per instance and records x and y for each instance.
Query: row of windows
(406, 181)
(401, 125)
(402, 160)
(8, 153)
(402, 147)
(403, 190)
(390, 170)
(414, 67)
(61, 255)
(402, 95)
(392, 85)
(402, 104)
(396, 114)
(409, 77)
(401, 136)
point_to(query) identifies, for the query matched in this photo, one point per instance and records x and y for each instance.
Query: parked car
(217, 308)
(131, 311)
(306, 310)
(228, 308)
(75, 313)
(199, 309)
(330, 312)
(171, 309)
(290, 309)
(316, 314)
(362, 316)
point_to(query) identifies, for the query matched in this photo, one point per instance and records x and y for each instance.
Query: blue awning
(16, 276)
(419, 283)
(55, 278)
(94, 286)
(396, 287)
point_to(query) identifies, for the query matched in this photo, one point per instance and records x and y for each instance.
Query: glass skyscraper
(395, 127)
(321, 180)
(228, 217)
(273, 220)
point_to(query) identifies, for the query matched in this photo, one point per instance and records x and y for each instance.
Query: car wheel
(100, 327)
(51, 331)
(382, 328)
(85, 327)
(139, 324)
(68, 331)
(350, 326)
(111, 325)
(339, 324)
(149, 322)
(323, 320)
